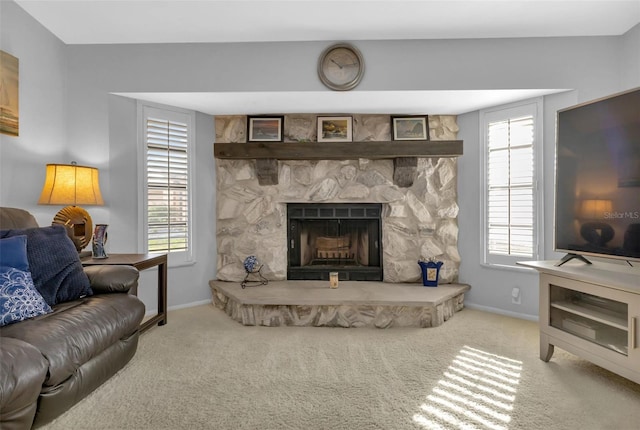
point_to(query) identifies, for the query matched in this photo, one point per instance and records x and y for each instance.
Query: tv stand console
(591, 311)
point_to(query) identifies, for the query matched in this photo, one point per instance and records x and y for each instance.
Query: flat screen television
(597, 199)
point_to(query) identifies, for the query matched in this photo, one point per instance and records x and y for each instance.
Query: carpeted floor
(478, 370)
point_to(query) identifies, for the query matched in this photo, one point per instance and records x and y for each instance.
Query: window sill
(508, 268)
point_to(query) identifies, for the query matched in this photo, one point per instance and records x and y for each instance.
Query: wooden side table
(141, 262)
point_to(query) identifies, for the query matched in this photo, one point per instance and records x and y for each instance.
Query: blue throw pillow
(54, 263)
(19, 298)
(13, 252)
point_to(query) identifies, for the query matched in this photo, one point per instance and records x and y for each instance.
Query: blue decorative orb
(250, 263)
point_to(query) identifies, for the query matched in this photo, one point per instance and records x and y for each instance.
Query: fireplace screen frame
(366, 216)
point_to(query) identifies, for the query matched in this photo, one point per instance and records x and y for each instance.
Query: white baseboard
(189, 305)
(152, 312)
(501, 312)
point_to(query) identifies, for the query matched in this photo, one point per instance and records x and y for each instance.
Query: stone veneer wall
(418, 222)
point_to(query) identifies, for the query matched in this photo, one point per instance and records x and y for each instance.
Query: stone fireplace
(417, 221)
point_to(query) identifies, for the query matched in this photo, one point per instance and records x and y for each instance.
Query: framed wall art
(9, 107)
(265, 128)
(335, 129)
(410, 127)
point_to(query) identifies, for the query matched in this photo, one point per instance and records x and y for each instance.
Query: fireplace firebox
(340, 237)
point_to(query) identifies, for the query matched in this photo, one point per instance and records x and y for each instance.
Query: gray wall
(491, 287)
(630, 58)
(43, 121)
(67, 113)
(612, 69)
(188, 284)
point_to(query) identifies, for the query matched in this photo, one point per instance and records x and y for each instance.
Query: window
(511, 165)
(167, 140)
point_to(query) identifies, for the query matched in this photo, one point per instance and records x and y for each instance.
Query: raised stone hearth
(352, 304)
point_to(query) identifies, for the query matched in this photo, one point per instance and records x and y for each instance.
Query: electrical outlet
(515, 296)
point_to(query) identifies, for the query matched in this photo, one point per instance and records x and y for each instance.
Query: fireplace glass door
(343, 238)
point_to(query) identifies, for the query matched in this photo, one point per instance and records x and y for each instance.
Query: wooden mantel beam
(338, 151)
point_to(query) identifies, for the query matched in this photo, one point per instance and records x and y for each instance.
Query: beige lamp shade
(595, 208)
(70, 184)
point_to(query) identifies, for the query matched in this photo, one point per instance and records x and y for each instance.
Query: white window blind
(167, 186)
(511, 202)
(167, 137)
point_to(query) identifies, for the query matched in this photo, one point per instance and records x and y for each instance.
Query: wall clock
(341, 67)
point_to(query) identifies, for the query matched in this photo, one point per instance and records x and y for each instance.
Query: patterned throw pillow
(19, 298)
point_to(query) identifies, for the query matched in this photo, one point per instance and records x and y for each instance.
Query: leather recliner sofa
(51, 362)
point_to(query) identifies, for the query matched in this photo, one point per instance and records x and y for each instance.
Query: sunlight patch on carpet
(477, 393)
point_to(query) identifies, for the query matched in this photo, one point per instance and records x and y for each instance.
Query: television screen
(597, 203)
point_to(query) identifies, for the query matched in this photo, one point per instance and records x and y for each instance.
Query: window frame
(170, 113)
(533, 107)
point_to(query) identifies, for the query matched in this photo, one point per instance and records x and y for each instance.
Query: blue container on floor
(430, 272)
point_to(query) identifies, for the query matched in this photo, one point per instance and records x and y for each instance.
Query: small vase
(99, 241)
(430, 272)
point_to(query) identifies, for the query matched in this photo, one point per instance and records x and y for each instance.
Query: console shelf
(592, 312)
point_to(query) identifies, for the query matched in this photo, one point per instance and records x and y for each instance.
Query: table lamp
(594, 209)
(70, 184)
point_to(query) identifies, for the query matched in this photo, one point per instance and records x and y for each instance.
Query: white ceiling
(182, 21)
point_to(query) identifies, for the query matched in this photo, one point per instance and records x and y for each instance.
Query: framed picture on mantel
(335, 129)
(410, 127)
(265, 129)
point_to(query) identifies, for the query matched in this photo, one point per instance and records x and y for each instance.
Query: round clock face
(341, 67)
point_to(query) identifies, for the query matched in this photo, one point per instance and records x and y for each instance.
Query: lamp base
(597, 233)
(78, 223)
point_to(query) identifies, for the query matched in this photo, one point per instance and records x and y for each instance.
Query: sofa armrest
(23, 370)
(112, 279)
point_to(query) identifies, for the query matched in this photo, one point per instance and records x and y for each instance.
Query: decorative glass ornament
(251, 263)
